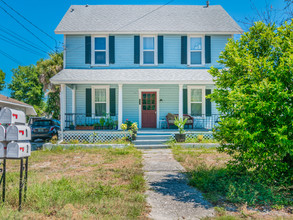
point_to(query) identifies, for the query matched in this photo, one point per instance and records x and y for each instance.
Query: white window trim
(203, 88)
(107, 99)
(155, 50)
(202, 50)
(158, 105)
(93, 50)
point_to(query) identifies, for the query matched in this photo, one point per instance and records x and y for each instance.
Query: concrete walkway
(169, 195)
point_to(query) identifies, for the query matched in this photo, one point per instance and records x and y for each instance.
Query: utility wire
(11, 58)
(19, 45)
(26, 28)
(29, 22)
(131, 22)
(17, 37)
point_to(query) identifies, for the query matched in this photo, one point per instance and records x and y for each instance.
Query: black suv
(45, 129)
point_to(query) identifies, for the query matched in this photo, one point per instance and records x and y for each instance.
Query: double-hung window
(100, 99)
(149, 50)
(195, 54)
(196, 98)
(100, 51)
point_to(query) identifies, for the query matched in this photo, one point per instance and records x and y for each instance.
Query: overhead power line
(29, 22)
(26, 28)
(131, 22)
(11, 58)
(23, 40)
(21, 46)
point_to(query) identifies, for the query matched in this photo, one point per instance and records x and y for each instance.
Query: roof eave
(58, 82)
(240, 31)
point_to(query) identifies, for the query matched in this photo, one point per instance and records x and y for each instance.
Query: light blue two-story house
(140, 62)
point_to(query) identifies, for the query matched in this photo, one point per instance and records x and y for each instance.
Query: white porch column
(120, 106)
(73, 104)
(180, 114)
(62, 107)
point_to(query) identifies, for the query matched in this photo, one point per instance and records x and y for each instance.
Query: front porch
(106, 107)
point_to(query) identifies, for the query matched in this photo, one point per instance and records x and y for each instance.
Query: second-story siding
(124, 51)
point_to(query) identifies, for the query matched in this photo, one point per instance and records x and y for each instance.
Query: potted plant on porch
(180, 124)
(133, 130)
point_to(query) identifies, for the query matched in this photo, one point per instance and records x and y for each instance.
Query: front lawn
(206, 171)
(79, 183)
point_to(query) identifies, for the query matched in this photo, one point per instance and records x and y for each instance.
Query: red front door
(149, 109)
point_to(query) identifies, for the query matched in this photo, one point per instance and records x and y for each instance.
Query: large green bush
(255, 95)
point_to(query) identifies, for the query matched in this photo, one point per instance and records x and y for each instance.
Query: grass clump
(79, 183)
(207, 171)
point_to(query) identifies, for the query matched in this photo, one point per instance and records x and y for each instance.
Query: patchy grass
(206, 170)
(79, 183)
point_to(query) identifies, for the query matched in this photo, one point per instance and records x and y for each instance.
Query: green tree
(47, 69)
(255, 95)
(2, 80)
(26, 87)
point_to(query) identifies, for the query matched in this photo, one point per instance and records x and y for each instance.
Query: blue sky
(47, 15)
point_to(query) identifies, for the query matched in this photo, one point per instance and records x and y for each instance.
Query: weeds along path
(169, 195)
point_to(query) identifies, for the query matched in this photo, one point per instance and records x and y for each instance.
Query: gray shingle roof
(133, 76)
(166, 19)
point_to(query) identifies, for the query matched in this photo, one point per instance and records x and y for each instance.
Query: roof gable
(146, 19)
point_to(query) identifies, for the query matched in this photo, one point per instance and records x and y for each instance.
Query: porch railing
(206, 121)
(81, 121)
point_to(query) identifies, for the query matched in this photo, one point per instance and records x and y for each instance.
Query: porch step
(149, 142)
(149, 147)
(153, 137)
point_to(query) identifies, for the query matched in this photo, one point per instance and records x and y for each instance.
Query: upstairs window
(196, 51)
(100, 56)
(149, 48)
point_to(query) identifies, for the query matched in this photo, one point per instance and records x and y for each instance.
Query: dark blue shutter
(208, 49)
(88, 102)
(160, 49)
(185, 101)
(112, 102)
(208, 103)
(183, 49)
(112, 49)
(88, 48)
(136, 49)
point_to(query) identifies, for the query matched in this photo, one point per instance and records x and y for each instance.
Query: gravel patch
(169, 195)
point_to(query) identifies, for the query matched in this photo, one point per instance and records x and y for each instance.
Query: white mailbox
(18, 149)
(18, 133)
(11, 116)
(2, 133)
(2, 150)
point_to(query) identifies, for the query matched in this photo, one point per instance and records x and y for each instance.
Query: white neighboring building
(15, 104)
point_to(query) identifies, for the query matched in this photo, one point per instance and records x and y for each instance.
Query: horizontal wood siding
(80, 97)
(124, 48)
(124, 51)
(218, 44)
(75, 52)
(168, 93)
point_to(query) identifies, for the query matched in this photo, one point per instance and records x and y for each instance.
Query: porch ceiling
(133, 76)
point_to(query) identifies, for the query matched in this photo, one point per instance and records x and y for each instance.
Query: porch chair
(170, 118)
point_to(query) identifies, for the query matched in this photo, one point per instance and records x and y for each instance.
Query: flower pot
(85, 127)
(71, 127)
(180, 137)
